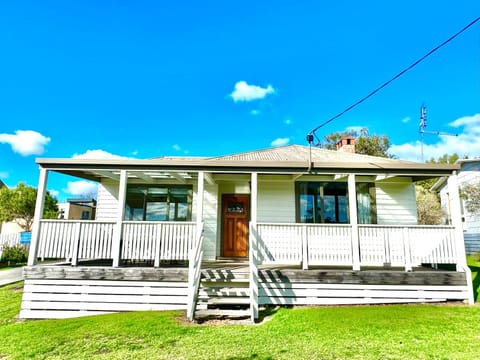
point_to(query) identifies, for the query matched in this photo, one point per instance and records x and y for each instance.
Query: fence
(8, 240)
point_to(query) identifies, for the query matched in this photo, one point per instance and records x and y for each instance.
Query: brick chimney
(346, 144)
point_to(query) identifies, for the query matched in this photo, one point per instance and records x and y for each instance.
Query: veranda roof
(291, 159)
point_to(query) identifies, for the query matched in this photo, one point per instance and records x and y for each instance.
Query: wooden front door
(235, 212)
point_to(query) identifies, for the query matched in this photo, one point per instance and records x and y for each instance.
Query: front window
(327, 202)
(158, 203)
(322, 202)
(85, 215)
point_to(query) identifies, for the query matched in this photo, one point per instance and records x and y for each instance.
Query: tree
(471, 194)
(19, 205)
(428, 204)
(444, 159)
(429, 210)
(366, 144)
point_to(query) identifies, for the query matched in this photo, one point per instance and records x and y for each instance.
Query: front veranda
(309, 247)
(157, 244)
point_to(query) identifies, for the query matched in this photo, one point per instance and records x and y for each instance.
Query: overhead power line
(311, 134)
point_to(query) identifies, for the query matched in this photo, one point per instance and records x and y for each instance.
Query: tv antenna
(423, 125)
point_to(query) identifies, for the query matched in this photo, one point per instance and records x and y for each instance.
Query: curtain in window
(366, 209)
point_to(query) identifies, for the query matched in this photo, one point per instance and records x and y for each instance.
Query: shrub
(14, 254)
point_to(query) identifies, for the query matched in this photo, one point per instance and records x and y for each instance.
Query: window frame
(146, 197)
(319, 197)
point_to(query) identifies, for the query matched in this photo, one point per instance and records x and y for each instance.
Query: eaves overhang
(97, 169)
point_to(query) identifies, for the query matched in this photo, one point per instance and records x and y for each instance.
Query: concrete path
(11, 275)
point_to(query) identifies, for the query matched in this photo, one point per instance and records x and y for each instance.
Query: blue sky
(151, 78)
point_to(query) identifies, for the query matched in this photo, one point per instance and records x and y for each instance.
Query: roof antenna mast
(310, 141)
(423, 125)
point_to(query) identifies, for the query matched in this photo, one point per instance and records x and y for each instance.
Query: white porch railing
(280, 243)
(75, 239)
(329, 244)
(318, 244)
(379, 245)
(158, 240)
(407, 245)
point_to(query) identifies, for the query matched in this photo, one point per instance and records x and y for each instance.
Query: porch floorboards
(178, 271)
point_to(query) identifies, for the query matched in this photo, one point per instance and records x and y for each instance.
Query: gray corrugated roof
(301, 153)
(285, 159)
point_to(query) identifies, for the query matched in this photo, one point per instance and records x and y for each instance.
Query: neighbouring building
(469, 173)
(77, 209)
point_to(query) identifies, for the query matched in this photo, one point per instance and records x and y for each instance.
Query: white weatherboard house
(469, 173)
(290, 225)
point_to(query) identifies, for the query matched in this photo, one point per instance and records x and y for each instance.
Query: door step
(216, 275)
(221, 314)
(223, 294)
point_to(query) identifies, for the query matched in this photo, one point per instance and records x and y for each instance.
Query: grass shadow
(475, 281)
(267, 313)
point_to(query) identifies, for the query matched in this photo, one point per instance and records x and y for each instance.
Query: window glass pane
(366, 203)
(136, 215)
(182, 212)
(342, 209)
(85, 215)
(329, 209)
(158, 203)
(235, 207)
(160, 192)
(322, 202)
(306, 208)
(156, 211)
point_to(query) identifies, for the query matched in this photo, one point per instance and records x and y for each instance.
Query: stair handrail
(194, 272)
(468, 275)
(253, 266)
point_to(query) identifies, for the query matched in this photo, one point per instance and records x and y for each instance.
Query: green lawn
(356, 332)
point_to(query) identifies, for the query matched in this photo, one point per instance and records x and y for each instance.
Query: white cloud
(98, 154)
(4, 175)
(465, 144)
(177, 147)
(246, 92)
(287, 121)
(280, 142)
(26, 142)
(355, 129)
(54, 193)
(255, 112)
(471, 123)
(81, 187)
(406, 119)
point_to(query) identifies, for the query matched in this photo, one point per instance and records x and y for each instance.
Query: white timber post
(41, 190)
(253, 248)
(195, 253)
(352, 205)
(117, 233)
(456, 216)
(407, 250)
(200, 191)
(304, 247)
(76, 244)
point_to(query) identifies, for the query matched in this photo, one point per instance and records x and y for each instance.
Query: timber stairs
(224, 293)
